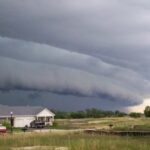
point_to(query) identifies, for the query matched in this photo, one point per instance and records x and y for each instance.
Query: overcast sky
(73, 55)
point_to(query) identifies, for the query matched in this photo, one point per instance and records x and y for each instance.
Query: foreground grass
(78, 141)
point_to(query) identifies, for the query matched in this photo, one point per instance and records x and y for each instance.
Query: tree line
(98, 113)
(88, 113)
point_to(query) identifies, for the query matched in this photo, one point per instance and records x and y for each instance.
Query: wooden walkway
(119, 133)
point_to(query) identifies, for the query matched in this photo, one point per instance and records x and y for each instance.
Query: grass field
(76, 141)
(79, 140)
(122, 123)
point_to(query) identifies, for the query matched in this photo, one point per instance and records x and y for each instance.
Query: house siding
(46, 113)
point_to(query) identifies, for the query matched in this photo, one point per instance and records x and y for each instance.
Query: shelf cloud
(95, 49)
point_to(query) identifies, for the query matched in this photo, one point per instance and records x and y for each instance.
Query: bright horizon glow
(139, 108)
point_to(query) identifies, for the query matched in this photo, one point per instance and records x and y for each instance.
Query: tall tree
(147, 111)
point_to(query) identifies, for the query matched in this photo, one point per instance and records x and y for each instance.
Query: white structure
(24, 116)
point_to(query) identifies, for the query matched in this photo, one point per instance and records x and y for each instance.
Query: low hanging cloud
(97, 48)
(40, 67)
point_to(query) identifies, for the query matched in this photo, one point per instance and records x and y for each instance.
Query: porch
(48, 120)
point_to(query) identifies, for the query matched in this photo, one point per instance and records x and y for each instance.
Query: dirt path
(40, 148)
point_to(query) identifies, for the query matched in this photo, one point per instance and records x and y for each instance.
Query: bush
(135, 115)
(6, 123)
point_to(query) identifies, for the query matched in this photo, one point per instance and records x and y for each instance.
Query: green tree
(147, 111)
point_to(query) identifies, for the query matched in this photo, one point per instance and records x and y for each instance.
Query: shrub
(6, 123)
(135, 115)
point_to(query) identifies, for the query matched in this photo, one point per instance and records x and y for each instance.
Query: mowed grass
(76, 141)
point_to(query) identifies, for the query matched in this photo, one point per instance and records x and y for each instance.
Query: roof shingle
(20, 110)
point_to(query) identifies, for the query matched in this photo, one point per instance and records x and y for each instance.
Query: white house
(25, 115)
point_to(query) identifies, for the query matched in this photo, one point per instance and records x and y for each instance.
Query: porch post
(45, 120)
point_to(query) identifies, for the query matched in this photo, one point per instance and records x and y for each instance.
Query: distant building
(25, 115)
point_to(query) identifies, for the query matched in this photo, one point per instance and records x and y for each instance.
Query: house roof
(20, 110)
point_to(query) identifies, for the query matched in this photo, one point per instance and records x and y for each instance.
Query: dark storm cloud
(34, 95)
(56, 101)
(32, 66)
(101, 47)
